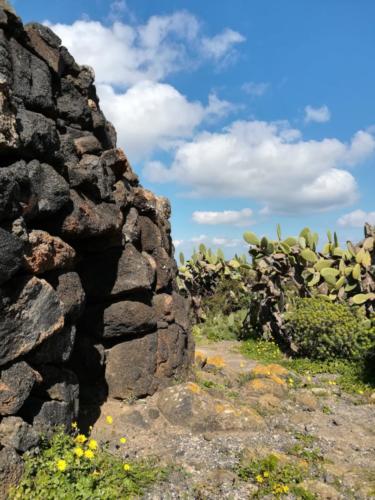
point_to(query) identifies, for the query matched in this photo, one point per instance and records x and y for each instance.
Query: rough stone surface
(131, 366)
(16, 383)
(87, 273)
(11, 470)
(125, 318)
(11, 251)
(30, 313)
(16, 433)
(46, 253)
(117, 271)
(56, 349)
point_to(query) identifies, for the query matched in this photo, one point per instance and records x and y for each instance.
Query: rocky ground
(236, 411)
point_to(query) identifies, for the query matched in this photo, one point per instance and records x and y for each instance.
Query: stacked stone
(88, 299)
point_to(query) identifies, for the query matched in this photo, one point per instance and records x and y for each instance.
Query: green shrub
(220, 326)
(320, 329)
(74, 466)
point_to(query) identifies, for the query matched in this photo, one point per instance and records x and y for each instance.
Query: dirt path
(235, 411)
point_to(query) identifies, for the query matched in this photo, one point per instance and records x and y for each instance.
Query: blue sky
(244, 113)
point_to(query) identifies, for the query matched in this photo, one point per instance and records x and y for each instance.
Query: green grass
(353, 377)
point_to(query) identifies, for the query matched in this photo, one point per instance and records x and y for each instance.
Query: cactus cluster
(208, 273)
(293, 267)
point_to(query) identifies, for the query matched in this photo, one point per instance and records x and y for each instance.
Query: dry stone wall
(88, 302)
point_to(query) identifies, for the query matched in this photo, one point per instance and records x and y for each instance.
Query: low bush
(219, 326)
(320, 329)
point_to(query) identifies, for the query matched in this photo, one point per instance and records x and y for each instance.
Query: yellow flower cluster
(280, 489)
(126, 467)
(61, 465)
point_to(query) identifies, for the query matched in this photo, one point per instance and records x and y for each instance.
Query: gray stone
(150, 235)
(92, 178)
(11, 466)
(131, 367)
(16, 383)
(117, 271)
(46, 44)
(120, 319)
(14, 189)
(72, 105)
(31, 79)
(30, 312)
(131, 229)
(87, 144)
(49, 188)
(11, 252)
(38, 135)
(45, 415)
(16, 433)
(58, 384)
(165, 271)
(88, 220)
(56, 349)
(69, 289)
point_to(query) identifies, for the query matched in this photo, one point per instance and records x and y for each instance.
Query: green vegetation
(292, 268)
(324, 330)
(275, 476)
(73, 466)
(219, 326)
(213, 283)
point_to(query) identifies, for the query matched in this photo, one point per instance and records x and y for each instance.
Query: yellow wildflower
(259, 478)
(126, 467)
(266, 474)
(122, 440)
(78, 451)
(109, 419)
(80, 439)
(74, 425)
(360, 391)
(89, 454)
(61, 465)
(285, 488)
(93, 445)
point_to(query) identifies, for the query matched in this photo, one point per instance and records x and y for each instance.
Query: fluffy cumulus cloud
(318, 115)
(269, 163)
(357, 218)
(234, 217)
(131, 61)
(124, 54)
(152, 115)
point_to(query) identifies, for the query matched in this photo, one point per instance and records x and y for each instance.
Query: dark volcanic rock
(119, 319)
(31, 79)
(58, 384)
(45, 253)
(116, 271)
(45, 415)
(46, 44)
(70, 292)
(11, 252)
(30, 312)
(131, 366)
(72, 105)
(11, 470)
(16, 383)
(16, 433)
(88, 220)
(14, 189)
(56, 349)
(48, 187)
(172, 349)
(38, 135)
(150, 235)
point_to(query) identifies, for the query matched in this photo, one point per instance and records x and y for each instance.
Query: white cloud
(152, 115)
(255, 89)
(124, 54)
(318, 115)
(234, 217)
(357, 218)
(269, 163)
(220, 46)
